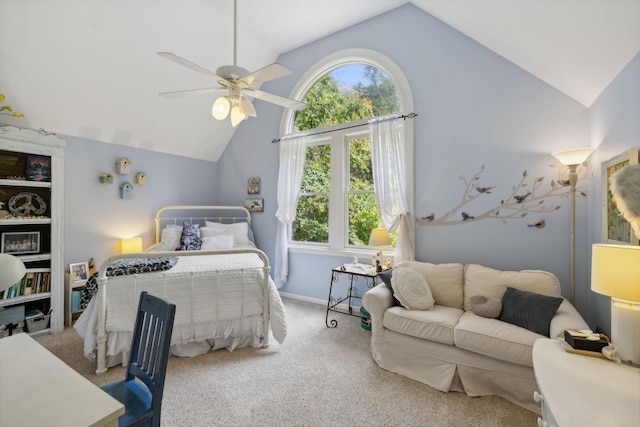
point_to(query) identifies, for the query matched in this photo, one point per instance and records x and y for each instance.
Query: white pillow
(170, 238)
(239, 230)
(411, 289)
(223, 241)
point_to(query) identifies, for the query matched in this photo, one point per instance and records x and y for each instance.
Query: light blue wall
(615, 127)
(95, 215)
(474, 108)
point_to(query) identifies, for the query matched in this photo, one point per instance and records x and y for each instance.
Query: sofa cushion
(445, 281)
(529, 310)
(479, 280)
(436, 324)
(494, 338)
(411, 289)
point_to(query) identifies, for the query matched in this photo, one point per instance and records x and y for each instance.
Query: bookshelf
(72, 303)
(31, 220)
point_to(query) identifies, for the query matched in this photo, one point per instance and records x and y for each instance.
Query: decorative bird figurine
(485, 189)
(563, 182)
(466, 216)
(521, 199)
(429, 217)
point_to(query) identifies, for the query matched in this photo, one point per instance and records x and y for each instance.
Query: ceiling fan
(238, 83)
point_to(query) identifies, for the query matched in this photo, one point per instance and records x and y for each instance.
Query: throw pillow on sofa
(411, 289)
(486, 307)
(529, 310)
(385, 276)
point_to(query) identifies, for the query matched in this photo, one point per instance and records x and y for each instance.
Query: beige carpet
(317, 377)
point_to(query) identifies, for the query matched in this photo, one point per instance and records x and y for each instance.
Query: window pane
(312, 219)
(363, 217)
(316, 177)
(360, 172)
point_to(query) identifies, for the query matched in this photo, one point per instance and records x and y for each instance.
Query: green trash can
(365, 319)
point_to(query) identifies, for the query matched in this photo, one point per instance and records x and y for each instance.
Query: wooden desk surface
(38, 389)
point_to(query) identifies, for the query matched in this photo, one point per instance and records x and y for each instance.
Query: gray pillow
(385, 276)
(529, 310)
(486, 307)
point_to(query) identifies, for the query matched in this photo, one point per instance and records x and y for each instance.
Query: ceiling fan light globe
(220, 109)
(236, 116)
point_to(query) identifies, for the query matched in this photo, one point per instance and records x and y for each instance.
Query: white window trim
(311, 77)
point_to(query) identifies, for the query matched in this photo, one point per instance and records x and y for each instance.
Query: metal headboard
(199, 214)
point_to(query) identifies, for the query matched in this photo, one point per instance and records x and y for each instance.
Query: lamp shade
(615, 271)
(11, 271)
(574, 156)
(379, 237)
(131, 245)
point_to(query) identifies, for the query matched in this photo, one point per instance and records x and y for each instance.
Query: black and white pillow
(190, 239)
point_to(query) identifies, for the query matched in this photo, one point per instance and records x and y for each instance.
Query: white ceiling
(90, 69)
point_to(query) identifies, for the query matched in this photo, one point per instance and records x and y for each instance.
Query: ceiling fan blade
(247, 107)
(181, 93)
(194, 67)
(270, 72)
(275, 99)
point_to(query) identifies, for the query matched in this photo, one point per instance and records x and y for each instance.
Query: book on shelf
(76, 298)
(34, 282)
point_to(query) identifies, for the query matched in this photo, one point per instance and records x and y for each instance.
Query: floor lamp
(573, 158)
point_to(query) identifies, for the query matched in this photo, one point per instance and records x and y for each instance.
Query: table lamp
(615, 272)
(131, 245)
(379, 237)
(11, 271)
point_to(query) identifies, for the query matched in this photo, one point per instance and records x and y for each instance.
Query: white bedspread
(219, 304)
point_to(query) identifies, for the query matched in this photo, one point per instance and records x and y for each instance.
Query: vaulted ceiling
(90, 69)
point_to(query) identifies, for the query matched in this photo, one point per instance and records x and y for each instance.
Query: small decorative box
(579, 342)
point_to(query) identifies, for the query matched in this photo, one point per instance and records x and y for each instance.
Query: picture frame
(254, 205)
(79, 272)
(615, 229)
(253, 185)
(20, 242)
(38, 168)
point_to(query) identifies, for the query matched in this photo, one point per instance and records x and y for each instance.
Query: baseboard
(323, 302)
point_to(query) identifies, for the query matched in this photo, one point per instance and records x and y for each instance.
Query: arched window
(336, 207)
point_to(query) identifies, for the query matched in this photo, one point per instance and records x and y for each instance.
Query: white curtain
(292, 156)
(390, 183)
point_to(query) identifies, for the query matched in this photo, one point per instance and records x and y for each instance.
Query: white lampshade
(11, 271)
(131, 245)
(379, 237)
(574, 156)
(615, 271)
(221, 107)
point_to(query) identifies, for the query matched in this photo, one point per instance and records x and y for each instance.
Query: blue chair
(141, 390)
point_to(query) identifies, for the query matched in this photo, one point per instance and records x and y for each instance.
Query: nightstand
(71, 312)
(578, 390)
(354, 273)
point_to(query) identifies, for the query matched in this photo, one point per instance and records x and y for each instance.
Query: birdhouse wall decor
(123, 165)
(126, 190)
(106, 178)
(141, 178)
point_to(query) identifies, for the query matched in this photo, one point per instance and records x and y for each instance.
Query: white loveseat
(452, 349)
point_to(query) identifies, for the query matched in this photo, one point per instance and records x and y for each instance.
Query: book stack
(76, 301)
(34, 282)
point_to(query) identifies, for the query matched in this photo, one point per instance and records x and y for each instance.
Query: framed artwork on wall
(254, 205)
(253, 185)
(615, 229)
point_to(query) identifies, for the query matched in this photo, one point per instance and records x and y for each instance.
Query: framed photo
(615, 229)
(253, 185)
(21, 242)
(38, 168)
(79, 272)
(254, 205)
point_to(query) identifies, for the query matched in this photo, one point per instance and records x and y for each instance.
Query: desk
(354, 273)
(38, 389)
(583, 391)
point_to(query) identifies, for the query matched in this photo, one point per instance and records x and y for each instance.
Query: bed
(224, 295)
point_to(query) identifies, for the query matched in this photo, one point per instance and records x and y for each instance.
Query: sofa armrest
(376, 301)
(567, 317)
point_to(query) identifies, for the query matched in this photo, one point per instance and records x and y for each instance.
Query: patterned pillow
(190, 240)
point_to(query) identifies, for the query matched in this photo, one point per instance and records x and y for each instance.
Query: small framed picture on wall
(254, 205)
(253, 185)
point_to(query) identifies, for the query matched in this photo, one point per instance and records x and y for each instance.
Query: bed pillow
(486, 307)
(239, 230)
(190, 239)
(411, 289)
(529, 310)
(170, 238)
(223, 241)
